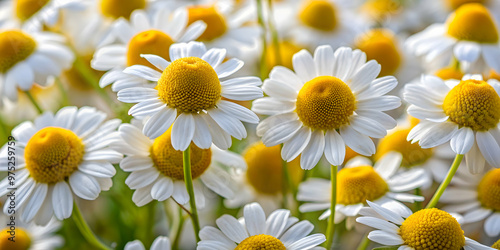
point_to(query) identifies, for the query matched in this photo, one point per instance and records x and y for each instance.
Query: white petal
(314, 150)
(489, 148)
(385, 238)
(157, 61)
(463, 140)
(62, 200)
(467, 51)
(183, 131)
(231, 228)
(84, 186)
(477, 215)
(136, 94)
(143, 72)
(389, 164)
(356, 141)
(334, 148)
(296, 144)
(378, 224)
(281, 132)
(159, 123)
(276, 222)
(228, 123)
(308, 242)
(239, 112)
(492, 225)
(386, 213)
(324, 60)
(255, 219)
(475, 160)
(162, 189)
(34, 202)
(303, 64)
(202, 137)
(229, 67)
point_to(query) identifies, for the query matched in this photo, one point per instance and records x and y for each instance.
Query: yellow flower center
(474, 104)
(488, 190)
(53, 154)
(27, 8)
(119, 8)
(473, 22)
(319, 14)
(22, 239)
(261, 241)
(381, 9)
(432, 228)
(359, 184)
(190, 85)
(380, 45)
(449, 73)
(265, 169)
(15, 46)
(286, 49)
(216, 23)
(325, 102)
(413, 154)
(349, 154)
(169, 161)
(148, 42)
(454, 4)
(494, 75)
(496, 245)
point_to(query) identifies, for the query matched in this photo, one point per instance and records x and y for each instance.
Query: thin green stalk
(178, 230)
(274, 34)
(330, 231)
(418, 204)
(188, 179)
(262, 24)
(150, 221)
(85, 230)
(446, 181)
(34, 102)
(363, 245)
(64, 94)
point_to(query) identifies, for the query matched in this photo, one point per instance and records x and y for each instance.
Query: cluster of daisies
(250, 124)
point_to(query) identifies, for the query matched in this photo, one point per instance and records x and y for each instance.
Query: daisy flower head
(428, 228)
(58, 157)
(476, 197)
(359, 182)
(33, 14)
(466, 113)
(28, 58)
(263, 179)
(470, 35)
(157, 168)
(317, 22)
(330, 101)
(142, 34)
(30, 236)
(279, 231)
(160, 243)
(190, 95)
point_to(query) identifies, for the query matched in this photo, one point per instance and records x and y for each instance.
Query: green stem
(188, 179)
(363, 245)
(418, 204)
(330, 231)
(274, 34)
(91, 79)
(262, 23)
(177, 234)
(151, 221)
(64, 94)
(34, 102)
(85, 230)
(445, 182)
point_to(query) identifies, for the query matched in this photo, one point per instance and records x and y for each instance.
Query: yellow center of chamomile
(27, 8)
(190, 85)
(413, 154)
(119, 8)
(381, 9)
(169, 161)
(325, 103)
(265, 168)
(261, 242)
(496, 245)
(52, 154)
(454, 4)
(449, 73)
(473, 22)
(474, 104)
(359, 184)
(148, 42)
(488, 190)
(380, 45)
(286, 52)
(319, 14)
(21, 241)
(216, 23)
(15, 46)
(432, 228)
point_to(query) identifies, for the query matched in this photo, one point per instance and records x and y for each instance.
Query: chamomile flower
(142, 35)
(330, 101)
(317, 22)
(467, 112)
(58, 158)
(160, 243)
(496, 245)
(33, 14)
(428, 228)
(476, 196)
(470, 35)
(30, 236)
(26, 58)
(254, 231)
(157, 168)
(263, 179)
(189, 96)
(359, 182)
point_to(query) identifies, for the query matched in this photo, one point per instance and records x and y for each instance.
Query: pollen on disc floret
(488, 190)
(15, 46)
(358, 184)
(261, 241)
